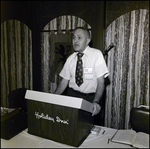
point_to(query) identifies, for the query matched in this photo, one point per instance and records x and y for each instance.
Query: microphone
(109, 48)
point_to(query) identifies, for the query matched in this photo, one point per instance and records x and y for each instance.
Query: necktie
(79, 70)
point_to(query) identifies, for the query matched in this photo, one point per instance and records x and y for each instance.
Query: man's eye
(79, 38)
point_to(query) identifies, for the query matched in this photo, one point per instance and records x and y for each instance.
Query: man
(91, 74)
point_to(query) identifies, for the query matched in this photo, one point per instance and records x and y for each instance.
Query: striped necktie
(79, 70)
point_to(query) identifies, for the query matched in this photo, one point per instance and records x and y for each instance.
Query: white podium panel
(62, 100)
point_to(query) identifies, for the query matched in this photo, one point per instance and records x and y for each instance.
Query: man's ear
(88, 41)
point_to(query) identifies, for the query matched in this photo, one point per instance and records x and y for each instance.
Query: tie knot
(80, 55)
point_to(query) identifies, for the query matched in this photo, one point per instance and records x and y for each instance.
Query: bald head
(85, 30)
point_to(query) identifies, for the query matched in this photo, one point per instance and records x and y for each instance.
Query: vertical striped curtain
(128, 63)
(65, 22)
(16, 58)
(57, 30)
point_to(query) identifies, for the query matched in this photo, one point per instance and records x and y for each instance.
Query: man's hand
(96, 108)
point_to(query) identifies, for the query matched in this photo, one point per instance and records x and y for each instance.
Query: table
(26, 140)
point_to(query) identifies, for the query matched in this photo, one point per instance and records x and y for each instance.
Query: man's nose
(75, 40)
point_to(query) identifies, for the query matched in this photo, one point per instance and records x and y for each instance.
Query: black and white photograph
(74, 74)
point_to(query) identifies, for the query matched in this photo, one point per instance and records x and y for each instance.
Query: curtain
(16, 58)
(65, 22)
(55, 45)
(128, 63)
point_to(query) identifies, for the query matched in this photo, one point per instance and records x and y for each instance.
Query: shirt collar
(86, 51)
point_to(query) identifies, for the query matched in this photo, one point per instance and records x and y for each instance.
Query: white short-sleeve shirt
(94, 66)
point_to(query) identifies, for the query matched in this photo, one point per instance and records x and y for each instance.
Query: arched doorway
(128, 64)
(16, 58)
(56, 47)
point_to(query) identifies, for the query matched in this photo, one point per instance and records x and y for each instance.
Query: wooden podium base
(59, 123)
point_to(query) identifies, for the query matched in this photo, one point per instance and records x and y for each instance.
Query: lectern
(59, 118)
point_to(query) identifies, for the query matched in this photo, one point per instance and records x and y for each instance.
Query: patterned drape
(56, 31)
(65, 22)
(128, 63)
(16, 58)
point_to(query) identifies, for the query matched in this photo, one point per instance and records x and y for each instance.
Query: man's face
(80, 40)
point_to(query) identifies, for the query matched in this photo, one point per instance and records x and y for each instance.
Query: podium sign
(59, 118)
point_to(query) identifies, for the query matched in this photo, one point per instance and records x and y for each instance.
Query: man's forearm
(61, 87)
(99, 90)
